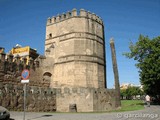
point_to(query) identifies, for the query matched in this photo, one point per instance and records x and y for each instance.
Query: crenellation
(49, 21)
(99, 20)
(93, 16)
(83, 13)
(31, 63)
(53, 19)
(72, 14)
(63, 16)
(89, 14)
(96, 18)
(2, 56)
(17, 58)
(60, 17)
(68, 14)
(24, 60)
(10, 58)
(57, 18)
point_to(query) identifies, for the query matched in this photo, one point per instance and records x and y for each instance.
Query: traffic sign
(25, 74)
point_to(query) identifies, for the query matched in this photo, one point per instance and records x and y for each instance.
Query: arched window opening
(47, 76)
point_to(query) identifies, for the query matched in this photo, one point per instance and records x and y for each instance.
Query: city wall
(59, 99)
(10, 71)
(37, 98)
(85, 99)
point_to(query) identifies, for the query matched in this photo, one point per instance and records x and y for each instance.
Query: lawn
(126, 105)
(130, 105)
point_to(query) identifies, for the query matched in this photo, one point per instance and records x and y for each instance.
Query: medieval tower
(75, 44)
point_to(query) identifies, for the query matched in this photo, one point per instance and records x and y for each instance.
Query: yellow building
(124, 86)
(24, 52)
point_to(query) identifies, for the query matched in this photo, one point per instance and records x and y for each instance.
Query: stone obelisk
(116, 76)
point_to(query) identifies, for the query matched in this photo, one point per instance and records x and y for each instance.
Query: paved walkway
(149, 113)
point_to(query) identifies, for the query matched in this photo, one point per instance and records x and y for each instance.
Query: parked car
(4, 113)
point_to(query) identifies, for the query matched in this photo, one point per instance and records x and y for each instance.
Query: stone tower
(75, 43)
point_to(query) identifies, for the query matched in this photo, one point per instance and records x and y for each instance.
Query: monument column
(116, 76)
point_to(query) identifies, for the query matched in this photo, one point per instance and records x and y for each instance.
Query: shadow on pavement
(40, 117)
(47, 115)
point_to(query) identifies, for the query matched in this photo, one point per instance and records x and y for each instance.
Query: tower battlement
(74, 13)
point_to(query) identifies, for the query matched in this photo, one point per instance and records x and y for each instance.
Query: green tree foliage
(123, 93)
(130, 92)
(147, 54)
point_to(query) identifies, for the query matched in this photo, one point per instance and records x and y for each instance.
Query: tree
(130, 92)
(147, 54)
(123, 93)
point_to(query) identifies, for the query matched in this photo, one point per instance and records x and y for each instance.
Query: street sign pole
(24, 101)
(25, 75)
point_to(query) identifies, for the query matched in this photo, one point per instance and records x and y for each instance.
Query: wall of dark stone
(37, 98)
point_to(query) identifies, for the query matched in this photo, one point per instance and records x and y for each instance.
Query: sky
(24, 22)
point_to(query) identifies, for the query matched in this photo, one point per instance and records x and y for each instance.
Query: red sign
(25, 74)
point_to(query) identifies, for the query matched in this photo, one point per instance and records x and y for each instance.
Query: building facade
(24, 52)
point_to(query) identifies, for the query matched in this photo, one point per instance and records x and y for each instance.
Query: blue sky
(23, 22)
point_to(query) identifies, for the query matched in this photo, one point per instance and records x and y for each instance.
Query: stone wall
(10, 71)
(104, 100)
(85, 99)
(82, 97)
(37, 98)
(59, 99)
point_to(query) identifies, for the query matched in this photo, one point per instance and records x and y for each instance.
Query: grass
(131, 105)
(126, 105)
